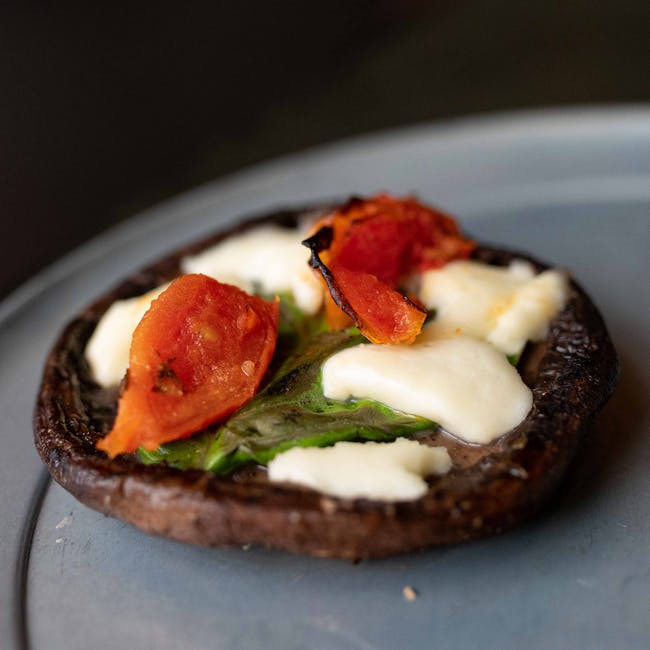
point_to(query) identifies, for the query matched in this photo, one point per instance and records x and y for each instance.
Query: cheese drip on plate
(268, 256)
(505, 306)
(465, 385)
(392, 471)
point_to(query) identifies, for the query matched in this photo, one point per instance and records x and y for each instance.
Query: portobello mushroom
(490, 488)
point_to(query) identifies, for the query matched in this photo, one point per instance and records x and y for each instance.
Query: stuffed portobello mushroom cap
(490, 488)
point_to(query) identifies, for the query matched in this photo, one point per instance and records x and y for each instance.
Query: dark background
(106, 109)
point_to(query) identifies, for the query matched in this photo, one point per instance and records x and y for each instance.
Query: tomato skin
(358, 245)
(198, 354)
(365, 249)
(391, 237)
(381, 313)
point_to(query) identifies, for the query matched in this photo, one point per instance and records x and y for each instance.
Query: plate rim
(619, 119)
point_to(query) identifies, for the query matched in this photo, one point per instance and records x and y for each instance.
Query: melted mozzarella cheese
(108, 349)
(385, 471)
(504, 306)
(463, 384)
(268, 256)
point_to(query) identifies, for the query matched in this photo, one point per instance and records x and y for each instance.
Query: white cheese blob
(505, 306)
(107, 351)
(465, 385)
(268, 256)
(391, 471)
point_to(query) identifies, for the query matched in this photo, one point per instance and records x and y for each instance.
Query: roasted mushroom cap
(490, 489)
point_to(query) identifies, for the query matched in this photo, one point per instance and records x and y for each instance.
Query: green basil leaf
(185, 454)
(295, 328)
(292, 411)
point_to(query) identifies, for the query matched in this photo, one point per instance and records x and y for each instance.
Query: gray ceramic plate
(572, 187)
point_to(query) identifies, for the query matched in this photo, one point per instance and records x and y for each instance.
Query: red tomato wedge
(391, 238)
(381, 313)
(367, 248)
(198, 354)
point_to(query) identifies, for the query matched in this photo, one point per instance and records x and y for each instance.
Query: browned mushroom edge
(490, 489)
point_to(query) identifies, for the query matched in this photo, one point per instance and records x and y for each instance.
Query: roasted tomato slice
(391, 238)
(199, 353)
(382, 314)
(367, 248)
